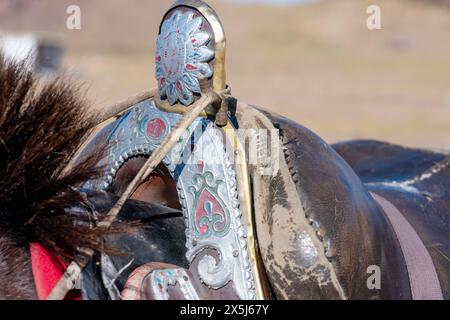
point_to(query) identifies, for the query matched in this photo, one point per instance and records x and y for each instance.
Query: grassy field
(317, 64)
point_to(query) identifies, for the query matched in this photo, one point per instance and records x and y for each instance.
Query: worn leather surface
(347, 223)
(417, 182)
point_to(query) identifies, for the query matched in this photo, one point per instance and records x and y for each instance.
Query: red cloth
(47, 270)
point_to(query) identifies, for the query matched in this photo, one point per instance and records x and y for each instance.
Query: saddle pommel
(190, 46)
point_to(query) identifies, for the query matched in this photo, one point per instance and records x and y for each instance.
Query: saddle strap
(422, 274)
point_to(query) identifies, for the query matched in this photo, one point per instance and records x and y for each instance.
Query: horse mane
(42, 125)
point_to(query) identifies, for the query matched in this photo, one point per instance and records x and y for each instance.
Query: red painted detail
(201, 211)
(190, 67)
(179, 86)
(201, 165)
(156, 128)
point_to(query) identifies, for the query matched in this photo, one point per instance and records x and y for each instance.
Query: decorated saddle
(256, 206)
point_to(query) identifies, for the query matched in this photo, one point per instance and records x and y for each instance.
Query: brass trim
(246, 200)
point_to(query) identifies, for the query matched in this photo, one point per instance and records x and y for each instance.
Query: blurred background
(313, 61)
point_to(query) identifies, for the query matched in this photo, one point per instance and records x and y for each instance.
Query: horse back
(417, 183)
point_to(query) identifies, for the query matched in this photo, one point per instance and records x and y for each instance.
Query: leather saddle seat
(336, 186)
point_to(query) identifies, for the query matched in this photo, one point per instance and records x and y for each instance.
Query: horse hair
(42, 125)
(16, 278)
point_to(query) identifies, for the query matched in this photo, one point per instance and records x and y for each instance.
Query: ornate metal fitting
(206, 184)
(161, 279)
(190, 45)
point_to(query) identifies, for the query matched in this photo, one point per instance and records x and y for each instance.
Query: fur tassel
(42, 125)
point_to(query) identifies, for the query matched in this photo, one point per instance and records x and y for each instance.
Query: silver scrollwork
(182, 57)
(206, 186)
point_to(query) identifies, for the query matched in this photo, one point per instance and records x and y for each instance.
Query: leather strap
(422, 274)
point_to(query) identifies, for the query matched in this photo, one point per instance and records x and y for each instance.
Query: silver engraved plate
(182, 57)
(161, 279)
(206, 185)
